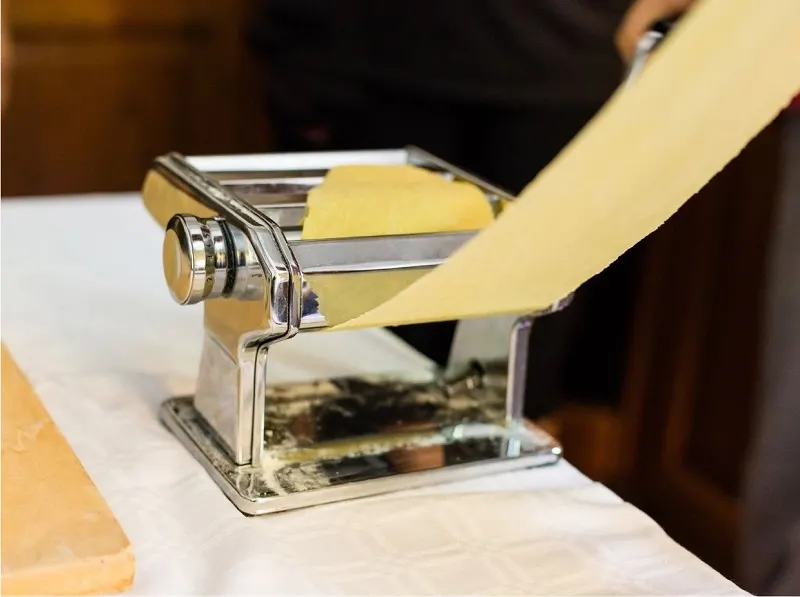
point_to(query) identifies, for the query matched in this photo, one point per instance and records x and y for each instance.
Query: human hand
(641, 16)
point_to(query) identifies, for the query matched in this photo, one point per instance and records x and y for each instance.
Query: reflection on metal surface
(645, 48)
(349, 438)
(232, 243)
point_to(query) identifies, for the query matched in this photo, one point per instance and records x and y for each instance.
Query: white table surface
(86, 314)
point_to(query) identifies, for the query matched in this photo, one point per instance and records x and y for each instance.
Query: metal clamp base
(347, 459)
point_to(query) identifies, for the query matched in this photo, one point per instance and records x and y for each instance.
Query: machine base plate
(334, 471)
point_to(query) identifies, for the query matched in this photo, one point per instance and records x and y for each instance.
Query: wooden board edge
(119, 568)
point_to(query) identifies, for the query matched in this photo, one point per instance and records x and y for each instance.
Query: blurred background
(658, 390)
(100, 87)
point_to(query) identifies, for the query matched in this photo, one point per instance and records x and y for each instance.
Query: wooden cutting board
(59, 536)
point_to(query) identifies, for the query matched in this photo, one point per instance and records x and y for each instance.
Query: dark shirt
(489, 51)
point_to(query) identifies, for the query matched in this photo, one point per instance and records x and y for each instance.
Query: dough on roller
(357, 201)
(723, 74)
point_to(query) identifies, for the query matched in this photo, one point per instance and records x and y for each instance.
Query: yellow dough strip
(722, 75)
(385, 200)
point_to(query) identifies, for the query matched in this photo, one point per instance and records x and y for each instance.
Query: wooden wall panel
(692, 386)
(99, 88)
(104, 14)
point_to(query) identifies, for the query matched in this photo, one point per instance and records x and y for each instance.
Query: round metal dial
(188, 259)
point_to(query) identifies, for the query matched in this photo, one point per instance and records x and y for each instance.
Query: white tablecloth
(87, 316)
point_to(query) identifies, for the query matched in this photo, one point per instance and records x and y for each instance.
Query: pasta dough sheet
(386, 200)
(721, 76)
(345, 296)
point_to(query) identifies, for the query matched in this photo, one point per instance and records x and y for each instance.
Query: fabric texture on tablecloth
(86, 315)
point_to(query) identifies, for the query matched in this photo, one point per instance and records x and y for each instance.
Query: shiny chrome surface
(352, 438)
(645, 48)
(517, 368)
(205, 258)
(195, 259)
(372, 259)
(232, 242)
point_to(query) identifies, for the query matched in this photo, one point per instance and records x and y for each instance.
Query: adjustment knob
(195, 259)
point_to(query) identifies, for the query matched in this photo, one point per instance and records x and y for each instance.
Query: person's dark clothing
(496, 87)
(322, 55)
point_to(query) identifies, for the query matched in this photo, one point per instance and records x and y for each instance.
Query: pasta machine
(232, 241)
